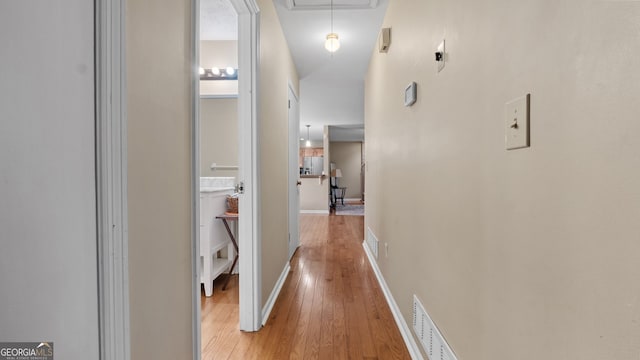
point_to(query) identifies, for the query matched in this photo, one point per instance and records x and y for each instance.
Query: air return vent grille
(429, 335)
(326, 4)
(372, 242)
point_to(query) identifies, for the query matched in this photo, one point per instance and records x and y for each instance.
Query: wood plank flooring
(330, 307)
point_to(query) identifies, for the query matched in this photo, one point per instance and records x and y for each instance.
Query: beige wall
(348, 157)
(158, 80)
(218, 135)
(158, 72)
(314, 195)
(219, 53)
(276, 70)
(516, 254)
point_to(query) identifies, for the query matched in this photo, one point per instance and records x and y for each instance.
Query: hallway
(330, 307)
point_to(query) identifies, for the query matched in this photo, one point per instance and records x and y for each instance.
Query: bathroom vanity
(216, 249)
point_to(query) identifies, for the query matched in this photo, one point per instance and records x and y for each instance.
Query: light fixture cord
(332, 16)
(332, 27)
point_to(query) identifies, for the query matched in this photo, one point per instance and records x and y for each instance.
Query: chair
(335, 192)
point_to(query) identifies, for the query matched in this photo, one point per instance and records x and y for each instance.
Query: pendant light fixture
(308, 139)
(332, 44)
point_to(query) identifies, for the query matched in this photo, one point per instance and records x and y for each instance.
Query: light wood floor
(330, 307)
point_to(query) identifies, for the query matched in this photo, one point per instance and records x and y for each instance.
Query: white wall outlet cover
(440, 56)
(516, 123)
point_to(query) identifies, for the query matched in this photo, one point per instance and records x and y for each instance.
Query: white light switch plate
(516, 123)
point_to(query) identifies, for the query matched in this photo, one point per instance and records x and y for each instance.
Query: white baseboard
(353, 199)
(266, 310)
(322, 212)
(412, 346)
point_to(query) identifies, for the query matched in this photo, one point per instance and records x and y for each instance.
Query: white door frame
(249, 225)
(111, 180)
(111, 177)
(293, 177)
(249, 218)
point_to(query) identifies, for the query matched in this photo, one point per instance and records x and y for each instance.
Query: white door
(48, 260)
(294, 173)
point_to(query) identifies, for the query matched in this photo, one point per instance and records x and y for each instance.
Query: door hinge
(289, 104)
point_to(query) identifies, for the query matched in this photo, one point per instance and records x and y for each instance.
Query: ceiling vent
(326, 4)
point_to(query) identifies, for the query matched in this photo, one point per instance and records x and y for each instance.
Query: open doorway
(294, 181)
(347, 169)
(225, 226)
(219, 171)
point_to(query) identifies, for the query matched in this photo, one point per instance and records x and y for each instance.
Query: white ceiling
(331, 86)
(218, 20)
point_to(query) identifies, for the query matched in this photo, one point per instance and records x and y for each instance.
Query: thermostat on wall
(410, 94)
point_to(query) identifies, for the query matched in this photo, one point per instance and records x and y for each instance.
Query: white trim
(111, 180)
(353, 199)
(405, 331)
(293, 90)
(249, 224)
(322, 212)
(235, 96)
(291, 5)
(195, 183)
(293, 175)
(274, 293)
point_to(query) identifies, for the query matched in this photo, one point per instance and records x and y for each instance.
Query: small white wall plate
(516, 123)
(410, 94)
